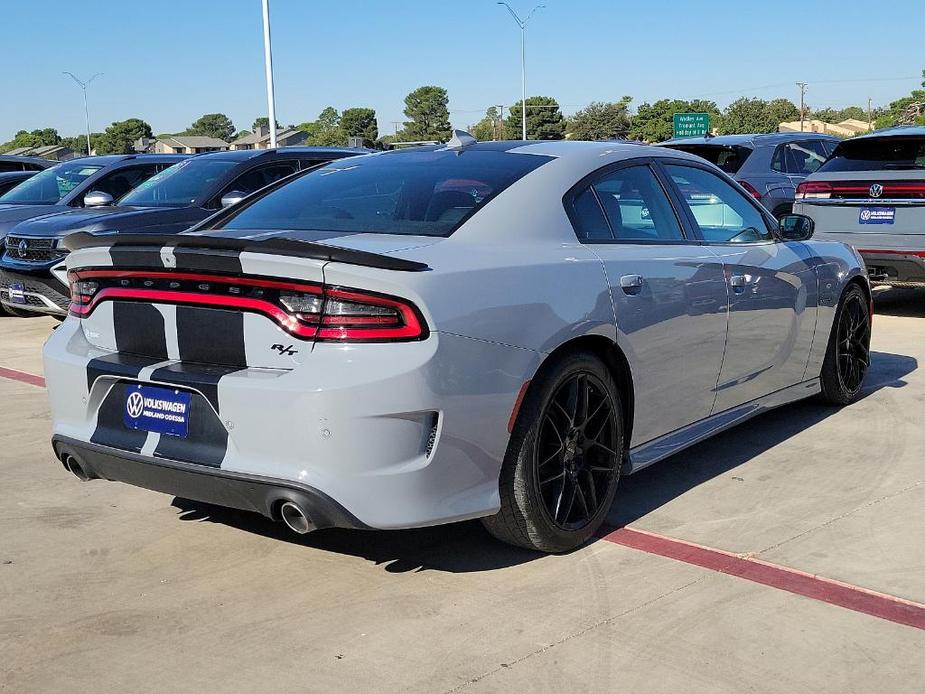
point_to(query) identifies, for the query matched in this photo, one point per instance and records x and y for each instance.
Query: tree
(263, 121)
(119, 138)
(360, 122)
(78, 144)
(544, 120)
(216, 125)
(325, 131)
(487, 128)
(40, 137)
(601, 121)
(749, 115)
(909, 110)
(655, 122)
(428, 115)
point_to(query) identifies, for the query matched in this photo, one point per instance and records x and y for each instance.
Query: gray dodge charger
(478, 330)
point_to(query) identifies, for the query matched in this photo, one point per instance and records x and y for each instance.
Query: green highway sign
(691, 124)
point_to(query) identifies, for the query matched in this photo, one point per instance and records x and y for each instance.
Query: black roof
(245, 154)
(36, 161)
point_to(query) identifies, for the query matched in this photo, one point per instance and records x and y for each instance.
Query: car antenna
(460, 140)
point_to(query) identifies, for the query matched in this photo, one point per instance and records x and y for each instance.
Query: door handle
(739, 283)
(631, 284)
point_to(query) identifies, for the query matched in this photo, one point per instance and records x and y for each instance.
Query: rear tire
(562, 465)
(847, 357)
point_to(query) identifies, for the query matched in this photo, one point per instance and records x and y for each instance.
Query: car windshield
(50, 185)
(426, 193)
(877, 154)
(179, 185)
(728, 158)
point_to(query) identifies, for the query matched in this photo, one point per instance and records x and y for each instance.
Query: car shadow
(467, 547)
(899, 301)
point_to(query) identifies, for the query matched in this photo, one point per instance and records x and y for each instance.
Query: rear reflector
(306, 310)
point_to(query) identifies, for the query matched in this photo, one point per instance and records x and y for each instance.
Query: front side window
(722, 213)
(427, 193)
(632, 205)
(179, 185)
(50, 185)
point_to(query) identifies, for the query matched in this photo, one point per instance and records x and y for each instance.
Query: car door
(668, 294)
(772, 286)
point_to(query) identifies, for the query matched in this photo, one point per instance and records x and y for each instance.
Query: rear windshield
(877, 153)
(180, 184)
(49, 186)
(727, 157)
(416, 193)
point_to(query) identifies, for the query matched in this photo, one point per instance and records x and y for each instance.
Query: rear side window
(804, 158)
(878, 153)
(627, 204)
(412, 192)
(728, 158)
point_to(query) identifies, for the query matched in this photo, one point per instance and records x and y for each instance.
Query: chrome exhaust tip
(295, 518)
(72, 465)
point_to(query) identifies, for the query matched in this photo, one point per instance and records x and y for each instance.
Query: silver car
(871, 194)
(478, 330)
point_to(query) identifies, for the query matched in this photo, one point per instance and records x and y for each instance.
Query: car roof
(110, 159)
(245, 154)
(16, 174)
(39, 161)
(747, 139)
(896, 131)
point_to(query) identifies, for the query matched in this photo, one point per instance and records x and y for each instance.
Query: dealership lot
(108, 587)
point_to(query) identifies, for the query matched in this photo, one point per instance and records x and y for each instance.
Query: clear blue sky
(171, 61)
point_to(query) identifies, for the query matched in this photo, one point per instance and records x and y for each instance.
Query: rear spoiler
(274, 246)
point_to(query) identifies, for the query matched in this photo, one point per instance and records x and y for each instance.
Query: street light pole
(83, 85)
(268, 64)
(522, 23)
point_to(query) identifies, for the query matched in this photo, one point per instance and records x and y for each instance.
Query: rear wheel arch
(613, 358)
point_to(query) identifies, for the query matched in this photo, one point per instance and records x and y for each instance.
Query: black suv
(33, 277)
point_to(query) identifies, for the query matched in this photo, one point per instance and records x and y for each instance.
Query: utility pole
(83, 85)
(522, 23)
(499, 126)
(802, 86)
(268, 64)
(870, 119)
(395, 124)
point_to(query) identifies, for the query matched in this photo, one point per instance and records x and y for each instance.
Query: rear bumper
(43, 293)
(212, 486)
(895, 267)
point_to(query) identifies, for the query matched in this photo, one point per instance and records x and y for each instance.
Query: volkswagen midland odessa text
(479, 330)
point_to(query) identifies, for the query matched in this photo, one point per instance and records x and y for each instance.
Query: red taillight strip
(305, 287)
(885, 251)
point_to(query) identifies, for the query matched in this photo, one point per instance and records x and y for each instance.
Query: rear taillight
(813, 189)
(305, 310)
(750, 189)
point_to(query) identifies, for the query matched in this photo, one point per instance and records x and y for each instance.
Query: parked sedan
(481, 330)
(11, 179)
(32, 273)
(871, 194)
(768, 166)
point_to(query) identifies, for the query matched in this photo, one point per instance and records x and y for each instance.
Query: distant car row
(145, 193)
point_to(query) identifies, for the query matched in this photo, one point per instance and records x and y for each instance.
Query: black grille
(34, 286)
(29, 249)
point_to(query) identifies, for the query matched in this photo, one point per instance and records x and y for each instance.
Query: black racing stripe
(202, 377)
(110, 425)
(139, 329)
(224, 261)
(206, 440)
(121, 365)
(136, 257)
(211, 336)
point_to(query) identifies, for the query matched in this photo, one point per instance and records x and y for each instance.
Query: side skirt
(653, 451)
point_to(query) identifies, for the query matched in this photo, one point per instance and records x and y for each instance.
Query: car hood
(358, 241)
(100, 219)
(11, 215)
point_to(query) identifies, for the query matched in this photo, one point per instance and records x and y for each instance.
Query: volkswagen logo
(876, 190)
(23, 248)
(135, 405)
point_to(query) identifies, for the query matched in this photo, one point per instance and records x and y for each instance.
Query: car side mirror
(796, 227)
(233, 198)
(97, 198)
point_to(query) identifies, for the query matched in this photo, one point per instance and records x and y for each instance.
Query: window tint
(803, 158)
(11, 166)
(426, 193)
(260, 177)
(121, 181)
(729, 158)
(181, 184)
(634, 205)
(722, 212)
(878, 153)
(588, 217)
(778, 162)
(49, 186)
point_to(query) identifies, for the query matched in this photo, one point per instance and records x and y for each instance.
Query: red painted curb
(22, 377)
(827, 590)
